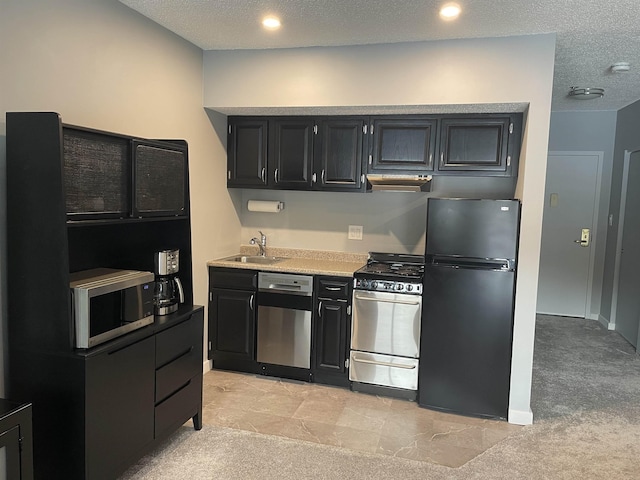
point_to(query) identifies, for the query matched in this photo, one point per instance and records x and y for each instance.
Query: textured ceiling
(591, 34)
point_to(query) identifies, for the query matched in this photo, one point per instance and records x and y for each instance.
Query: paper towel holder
(268, 206)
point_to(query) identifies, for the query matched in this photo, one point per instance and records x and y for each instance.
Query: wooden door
(291, 157)
(338, 154)
(247, 152)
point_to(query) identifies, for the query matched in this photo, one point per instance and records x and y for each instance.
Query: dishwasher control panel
(285, 283)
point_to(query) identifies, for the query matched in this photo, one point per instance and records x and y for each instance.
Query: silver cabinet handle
(262, 175)
(333, 289)
(441, 159)
(384, 364)
(275, 176)
(313, 178)
(322, 176)
(320, 308)
(251, 302)
(401, 302)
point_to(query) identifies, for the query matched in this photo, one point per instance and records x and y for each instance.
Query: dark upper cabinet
(232, 319)
(291, 153)
(482, 144)
(247, 152)
(402, 145)
(160, 179)
(114, 176)
(96, 174)
(338, 154)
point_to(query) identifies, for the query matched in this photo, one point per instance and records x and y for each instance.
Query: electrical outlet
(355, 232)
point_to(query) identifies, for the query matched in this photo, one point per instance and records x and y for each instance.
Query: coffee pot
(168, 289)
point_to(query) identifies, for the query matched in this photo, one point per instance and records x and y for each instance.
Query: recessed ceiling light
(620, 67)
(450, 11)
(271, 23)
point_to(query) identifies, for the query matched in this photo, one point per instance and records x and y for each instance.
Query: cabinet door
(291, 154)
(232, 326)
(96, 174)
(247, 152)
(474, 144)
(10, 453)
(331, 336)
(119, 420)
(402, 145)
(159, 179)
(338, 154)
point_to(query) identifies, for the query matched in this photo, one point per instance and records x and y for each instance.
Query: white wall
(102, 65)
(478, 71)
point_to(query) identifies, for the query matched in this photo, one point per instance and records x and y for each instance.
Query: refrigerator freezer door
(472, 228)
(465, 350)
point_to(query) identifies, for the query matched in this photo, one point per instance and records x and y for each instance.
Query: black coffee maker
(168, 290)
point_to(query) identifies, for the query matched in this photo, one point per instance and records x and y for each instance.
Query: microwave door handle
(180, 289)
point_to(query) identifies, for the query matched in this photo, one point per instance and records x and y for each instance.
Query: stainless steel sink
(258, 259)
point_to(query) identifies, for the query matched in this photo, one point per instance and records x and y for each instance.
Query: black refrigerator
(468, 303)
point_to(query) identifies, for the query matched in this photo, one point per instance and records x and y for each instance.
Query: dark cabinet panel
(332, 315)
(405, 145)
(475, 144)
(120, 398)
(96, 173)
(16, 447)
(291, 155)
(232, 320)
(247, 152)
(160, 179)
(338, 154)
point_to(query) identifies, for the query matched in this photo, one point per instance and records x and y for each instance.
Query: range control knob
(409, 288)
(399, 287)
(374, 285)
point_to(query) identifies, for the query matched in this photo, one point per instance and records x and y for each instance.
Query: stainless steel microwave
(108, 303)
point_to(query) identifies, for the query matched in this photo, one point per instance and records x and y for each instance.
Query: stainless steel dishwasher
(284, 324)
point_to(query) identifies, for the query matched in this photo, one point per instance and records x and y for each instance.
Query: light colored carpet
(586, 402)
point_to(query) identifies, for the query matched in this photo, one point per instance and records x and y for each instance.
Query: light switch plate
(355, 232)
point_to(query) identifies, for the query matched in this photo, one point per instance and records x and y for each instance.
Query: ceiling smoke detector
(588, 93)
(620, 67)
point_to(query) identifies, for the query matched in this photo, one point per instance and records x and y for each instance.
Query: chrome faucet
(262, 243)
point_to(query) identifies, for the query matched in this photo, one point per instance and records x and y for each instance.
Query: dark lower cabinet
(232, 319)
(16, 447)
(96, 412)
(119, 407)
(332, 323)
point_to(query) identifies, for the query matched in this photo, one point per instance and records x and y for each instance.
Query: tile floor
(340, 417)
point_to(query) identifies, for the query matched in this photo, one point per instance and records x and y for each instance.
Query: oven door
(386, 323)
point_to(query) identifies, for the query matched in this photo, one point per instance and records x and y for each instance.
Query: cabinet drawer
(333, 287)
(176, 341)
(179, 407)
(177, 373)
(233, 278)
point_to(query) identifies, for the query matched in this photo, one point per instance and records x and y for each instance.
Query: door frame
(621, 214)
(594, 223)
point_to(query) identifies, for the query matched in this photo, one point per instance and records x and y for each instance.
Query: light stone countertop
(310, 262)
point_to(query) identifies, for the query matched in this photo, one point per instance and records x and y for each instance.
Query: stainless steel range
(385, 332)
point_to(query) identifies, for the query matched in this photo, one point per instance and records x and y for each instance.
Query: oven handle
(384, 364)
(370, 299)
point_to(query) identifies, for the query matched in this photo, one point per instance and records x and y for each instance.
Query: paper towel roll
(271, 206)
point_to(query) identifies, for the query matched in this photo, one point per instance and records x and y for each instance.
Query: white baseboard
(606, 323)
(520, 417)
(206, 366)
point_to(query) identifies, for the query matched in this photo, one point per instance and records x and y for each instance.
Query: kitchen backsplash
(391, 221)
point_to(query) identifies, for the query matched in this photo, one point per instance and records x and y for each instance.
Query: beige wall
(515, 70)
(101, 65)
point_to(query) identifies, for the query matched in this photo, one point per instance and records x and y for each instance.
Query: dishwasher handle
(384, 364)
